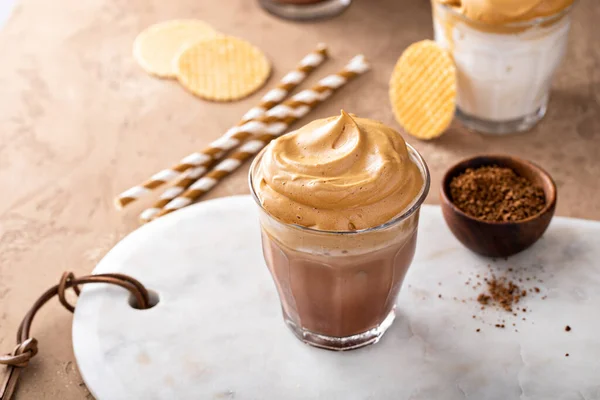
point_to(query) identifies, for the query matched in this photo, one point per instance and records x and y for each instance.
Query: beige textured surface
(80, 121)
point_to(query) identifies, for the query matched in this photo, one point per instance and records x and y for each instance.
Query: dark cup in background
(305, 10)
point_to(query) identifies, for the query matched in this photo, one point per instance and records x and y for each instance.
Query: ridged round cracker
(157, 48)
(224, 68)
(423, 90)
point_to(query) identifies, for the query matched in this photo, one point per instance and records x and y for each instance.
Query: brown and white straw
(268, 127)
(232, 137)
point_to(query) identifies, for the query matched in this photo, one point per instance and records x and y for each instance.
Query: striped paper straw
(233, 137)
(267, 128)
(188, 178)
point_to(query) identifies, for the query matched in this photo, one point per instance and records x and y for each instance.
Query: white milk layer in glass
(503, 76)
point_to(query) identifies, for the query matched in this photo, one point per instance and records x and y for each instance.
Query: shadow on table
(579, 106)
(574, 112)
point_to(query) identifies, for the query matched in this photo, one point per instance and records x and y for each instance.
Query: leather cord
(27, 348)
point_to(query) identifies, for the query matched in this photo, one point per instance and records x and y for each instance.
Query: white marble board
(217, 331)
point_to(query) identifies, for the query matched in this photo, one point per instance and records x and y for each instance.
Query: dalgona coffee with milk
(339, 201)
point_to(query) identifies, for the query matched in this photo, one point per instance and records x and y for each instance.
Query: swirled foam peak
(341, 173)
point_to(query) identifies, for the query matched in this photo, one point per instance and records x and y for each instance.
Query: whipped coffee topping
(338, 174)
(498, 12)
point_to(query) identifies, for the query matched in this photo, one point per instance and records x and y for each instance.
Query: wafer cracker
(157, 48)
(423, 90)
(224, 68)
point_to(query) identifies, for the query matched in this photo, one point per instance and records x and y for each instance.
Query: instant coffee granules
(493, 193)
(501, 292)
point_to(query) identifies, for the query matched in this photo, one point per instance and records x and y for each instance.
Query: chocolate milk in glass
(339, 206)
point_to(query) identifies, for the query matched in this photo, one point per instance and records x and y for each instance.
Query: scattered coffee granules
(483, 299)
(493, 193)
(502, 292)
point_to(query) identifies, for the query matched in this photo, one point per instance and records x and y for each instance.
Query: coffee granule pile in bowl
(496, 194)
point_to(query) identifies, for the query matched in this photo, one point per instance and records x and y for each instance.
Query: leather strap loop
(27, 346)
(62, 286)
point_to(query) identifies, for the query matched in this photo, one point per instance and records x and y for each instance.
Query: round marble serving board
(217, 331)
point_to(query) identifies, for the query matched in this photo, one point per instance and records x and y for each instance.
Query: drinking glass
(504, 71)
(338, 289)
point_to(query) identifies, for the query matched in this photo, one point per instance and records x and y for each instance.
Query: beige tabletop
(80, 121)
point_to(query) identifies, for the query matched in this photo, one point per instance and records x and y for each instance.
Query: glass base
(307, 11)
(342, 343)
(522, 124)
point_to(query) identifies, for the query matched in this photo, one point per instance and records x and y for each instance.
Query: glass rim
(404, 214)
(520, 24)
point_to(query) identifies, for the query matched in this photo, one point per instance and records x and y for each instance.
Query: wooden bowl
(498, 239)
